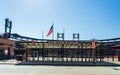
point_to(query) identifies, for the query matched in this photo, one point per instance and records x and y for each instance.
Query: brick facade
(7, 44)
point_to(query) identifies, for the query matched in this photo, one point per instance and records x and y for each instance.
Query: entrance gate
(56, 54)
(5, 54)
(103, 53)
(70, 55)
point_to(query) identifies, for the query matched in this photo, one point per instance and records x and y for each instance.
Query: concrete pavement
(58, 70)
(13, 67)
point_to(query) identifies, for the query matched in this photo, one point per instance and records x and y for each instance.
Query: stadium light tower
(76, 36)
(8, 25)
(60, 35)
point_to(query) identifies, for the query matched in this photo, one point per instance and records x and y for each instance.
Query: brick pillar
(94, 56)
(26, 54)
(118, 55)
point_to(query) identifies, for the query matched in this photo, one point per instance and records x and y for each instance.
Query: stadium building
(25, 48)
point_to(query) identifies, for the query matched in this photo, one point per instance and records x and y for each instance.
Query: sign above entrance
(93, 44)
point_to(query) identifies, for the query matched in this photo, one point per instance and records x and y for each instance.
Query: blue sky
(99, 19)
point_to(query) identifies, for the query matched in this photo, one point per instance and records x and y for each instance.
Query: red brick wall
(7, 43)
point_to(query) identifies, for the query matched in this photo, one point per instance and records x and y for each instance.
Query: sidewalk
(9, 62)
(58, 70)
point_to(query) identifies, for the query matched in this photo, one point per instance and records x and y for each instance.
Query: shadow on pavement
(64, 63)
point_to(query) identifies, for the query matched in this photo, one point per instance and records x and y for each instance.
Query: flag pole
(53, 32)
(64, 32)
(53, 42)
(42, 34)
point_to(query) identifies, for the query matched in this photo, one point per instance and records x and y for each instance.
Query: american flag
(50, 31)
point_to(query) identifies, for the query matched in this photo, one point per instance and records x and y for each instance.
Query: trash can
(19, 58)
